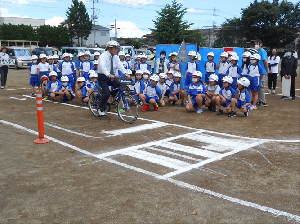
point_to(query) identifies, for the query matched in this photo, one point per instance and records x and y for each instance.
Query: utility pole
(214, 24)
(94, 18)
(116, 29)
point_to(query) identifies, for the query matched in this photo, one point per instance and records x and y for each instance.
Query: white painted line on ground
(274, 212)
(138, 128)
(182, 126)
(18, 89)
(15, 98)
(188, 149)
(175, 154)
(157, 159)
(204, 162)
(69, 131)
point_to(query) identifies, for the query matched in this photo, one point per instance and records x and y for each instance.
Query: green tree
(136, 42)
(170, 28)
(78, 21)
(62, 37)
(46, 35)
(194, 37)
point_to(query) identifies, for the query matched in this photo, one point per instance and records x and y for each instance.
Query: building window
(103, 33)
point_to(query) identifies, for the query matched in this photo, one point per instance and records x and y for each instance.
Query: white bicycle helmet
(139, 72)
(154, 78)
(44, 77)
(163, 75)
(97, 53)
(34, 57)
(81, 79)
(243, 81)
(80, 54)
(87, 53)
(170, 72)
(246, 54)
(64, 78)
(121, 53)
(255, 56)
(192, 53)
(174, 53)
(235, 58)
(55, 56)
(43, 56)
(210, 54)
(127, 55)
(213, 77)
(197, 74)
(53, 73)
(224, 54)
(93, 74)
(146, 71)
(228, 79)
(112, 44)
(128, 71)
(143, 56)
(177, 74)
(65, 55)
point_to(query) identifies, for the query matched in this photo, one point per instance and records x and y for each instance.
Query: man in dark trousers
(108, 64)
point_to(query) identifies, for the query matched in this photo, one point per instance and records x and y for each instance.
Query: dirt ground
(161, 169)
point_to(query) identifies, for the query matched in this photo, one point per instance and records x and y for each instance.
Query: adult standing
(263, 62)
(152, 58)
(288, 71)
(108, 66)
(273, 62)
(162, 63)
(3, 68)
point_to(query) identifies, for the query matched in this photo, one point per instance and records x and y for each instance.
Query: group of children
(58, 79)
(234, 86)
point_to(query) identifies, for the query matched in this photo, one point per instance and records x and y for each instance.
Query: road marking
(157, 159)
(174, 154)
(17, 89)
(15, 98)
(274, 212)
(188, 149)
(182, 126)
(138, 128)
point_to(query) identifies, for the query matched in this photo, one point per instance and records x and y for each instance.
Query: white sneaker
(273, 91)
(269, 91)
(254, 107)
(199, 111)
(2, 87)
(101, 113)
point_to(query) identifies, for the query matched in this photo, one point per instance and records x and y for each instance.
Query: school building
(99, 35)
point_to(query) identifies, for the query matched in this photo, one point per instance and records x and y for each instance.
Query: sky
(134, 17)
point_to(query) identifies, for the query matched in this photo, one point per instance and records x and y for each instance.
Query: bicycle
(127, 106)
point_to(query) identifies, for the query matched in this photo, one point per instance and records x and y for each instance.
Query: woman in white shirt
(3, 68)
(273, 70)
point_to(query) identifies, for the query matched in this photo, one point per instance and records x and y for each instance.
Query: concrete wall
(101, 37)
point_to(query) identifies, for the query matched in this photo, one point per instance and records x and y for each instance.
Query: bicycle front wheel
(94, 102)
(128, 109)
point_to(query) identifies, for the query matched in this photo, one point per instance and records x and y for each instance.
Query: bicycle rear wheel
(128, 109)
(94, 102)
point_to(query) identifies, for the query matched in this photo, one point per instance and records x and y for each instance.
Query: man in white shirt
(108, 65)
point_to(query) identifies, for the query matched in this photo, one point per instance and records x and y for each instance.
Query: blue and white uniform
(143, 66)
(58, 71)
(254, 73)
(215, 89)
(74, 70)
(168, 83)
(243, 98)
(52, 67)
(194, 90)
(191, 67)
(126, 66)
(234, 71)
(54, 86)
(84, 91)
(86, 66)
(174, 87)
(152, 93)
(34, 78)
(139, 87)
(245, 71)
(163, 87)
(222, 71)
(210, 68)
(44, 69)
(178, 66)
(228, 94)
(67, 68)
(78, 65)
(71, 92)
